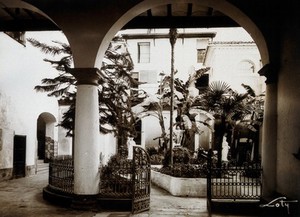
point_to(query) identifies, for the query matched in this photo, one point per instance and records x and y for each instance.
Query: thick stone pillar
(269, 137)
(86, 147)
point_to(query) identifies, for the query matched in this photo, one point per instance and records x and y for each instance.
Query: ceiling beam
(143, 22)
(210, 11)
(27, 25)
(189, 10)
(149, 13)
(10, 13)
(30, 14)
(169, 10)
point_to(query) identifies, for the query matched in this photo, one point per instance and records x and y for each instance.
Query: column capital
(270, 72)
(86, 75)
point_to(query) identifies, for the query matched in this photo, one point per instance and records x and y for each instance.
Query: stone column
(269, 138)
(86, 147)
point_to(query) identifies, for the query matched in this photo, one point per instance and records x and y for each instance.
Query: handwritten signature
(280, 202)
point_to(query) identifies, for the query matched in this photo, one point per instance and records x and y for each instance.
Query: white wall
(229, 47)
(21, 68)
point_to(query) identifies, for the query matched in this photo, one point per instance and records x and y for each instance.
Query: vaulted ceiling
(179, 15)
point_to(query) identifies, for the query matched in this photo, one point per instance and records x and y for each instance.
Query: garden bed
(183, 187)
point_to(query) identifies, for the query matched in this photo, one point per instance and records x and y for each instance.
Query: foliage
(181, 155)
(185, 170)
(63, 84)
(227, 106)
(151, 151)
(156, 159)
(115, 166)
(115, 97)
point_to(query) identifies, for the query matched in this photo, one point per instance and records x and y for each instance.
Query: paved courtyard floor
(23, 198)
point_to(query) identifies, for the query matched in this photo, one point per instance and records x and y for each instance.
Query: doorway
(45, 137)
(41, 137)
(19, 156)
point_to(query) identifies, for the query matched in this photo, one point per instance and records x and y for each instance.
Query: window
(144, 52)
(201, 46)
(201, 55)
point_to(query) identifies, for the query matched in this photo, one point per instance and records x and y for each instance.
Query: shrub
(180, 155)
(185, 170)
(114, 164)
(156, 159)
(152, 151)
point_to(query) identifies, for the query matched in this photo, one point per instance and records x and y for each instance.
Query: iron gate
(232, 183)
(141, 180)
(127, 181)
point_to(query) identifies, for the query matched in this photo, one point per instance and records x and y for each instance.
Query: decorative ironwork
(116, 178)
(141, 180)
(234, 182)
(120, 178)
(61, 174)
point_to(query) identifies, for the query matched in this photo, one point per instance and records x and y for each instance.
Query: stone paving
(23, 198)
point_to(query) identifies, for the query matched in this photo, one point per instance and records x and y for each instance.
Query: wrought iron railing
(61, 174)
(121, 179)
(116, 178)
(234, 182)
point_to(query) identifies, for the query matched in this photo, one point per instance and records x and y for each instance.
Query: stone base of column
(84, 202)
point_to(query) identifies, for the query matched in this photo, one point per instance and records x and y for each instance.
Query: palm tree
(227, 106)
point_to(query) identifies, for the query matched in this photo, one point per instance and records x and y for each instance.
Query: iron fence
(234, 183)
(61, 174)
(116, 179)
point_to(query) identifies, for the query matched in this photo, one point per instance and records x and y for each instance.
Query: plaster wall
(21, 68)
(230, 46)
(288, 167)
(151, 129)
(224, 59)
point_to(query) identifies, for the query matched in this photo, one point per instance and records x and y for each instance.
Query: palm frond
(53, 50)
(249, 90)
(46, 88)
(219, 86)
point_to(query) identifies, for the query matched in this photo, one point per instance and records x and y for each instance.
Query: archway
(45, 137)
(225, 7)
(228, 9)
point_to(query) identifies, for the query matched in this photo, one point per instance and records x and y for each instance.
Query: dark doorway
(41, 137)
(19, 156)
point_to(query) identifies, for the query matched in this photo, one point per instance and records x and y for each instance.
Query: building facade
(230, 53)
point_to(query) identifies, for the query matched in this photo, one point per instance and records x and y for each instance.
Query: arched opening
(226, 8)
(45, 137)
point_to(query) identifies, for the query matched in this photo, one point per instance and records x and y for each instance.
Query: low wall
(185, 187)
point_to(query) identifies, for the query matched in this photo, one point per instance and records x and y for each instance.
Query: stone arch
(24, 5)
(45, 136)
(225, 7)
